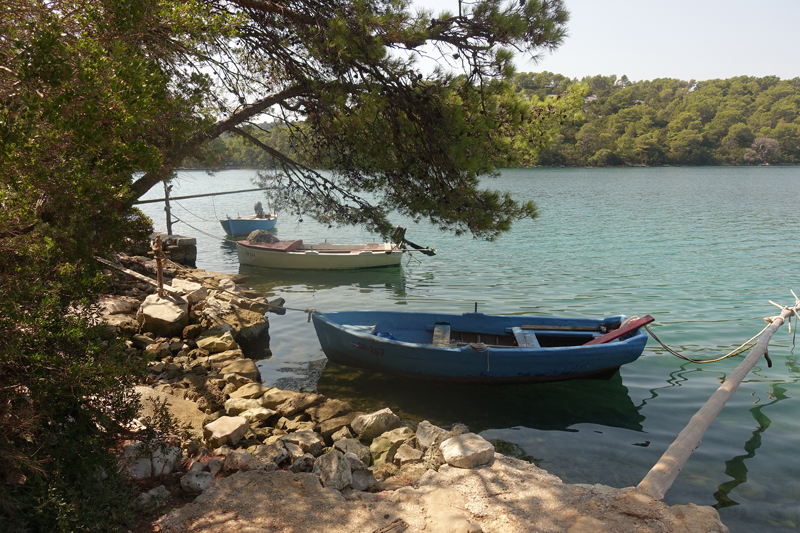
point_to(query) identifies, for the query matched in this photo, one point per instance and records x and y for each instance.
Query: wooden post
(660, 478)
(159, 267)
(167, 190)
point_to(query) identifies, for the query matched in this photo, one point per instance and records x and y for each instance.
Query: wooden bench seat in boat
(441, 335)
(525, 338)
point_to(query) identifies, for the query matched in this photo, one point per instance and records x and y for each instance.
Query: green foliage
(674, 122)
(89, 96)
(101, 100)
(337, 83)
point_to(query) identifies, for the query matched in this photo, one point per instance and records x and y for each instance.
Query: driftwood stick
(660, 478)
(136, 275)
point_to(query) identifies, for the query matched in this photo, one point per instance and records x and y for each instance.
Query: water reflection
(314, 280)
(736, 467)
(676, 379)
(546, 406)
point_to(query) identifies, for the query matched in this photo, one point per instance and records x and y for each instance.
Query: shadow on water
(314, 280)
(546, 406)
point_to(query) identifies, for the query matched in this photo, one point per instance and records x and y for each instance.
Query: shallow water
(702, 250)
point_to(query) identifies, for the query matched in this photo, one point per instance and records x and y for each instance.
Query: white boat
(322, 256)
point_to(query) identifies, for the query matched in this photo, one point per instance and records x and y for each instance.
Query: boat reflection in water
(310, 280)
(543, 406)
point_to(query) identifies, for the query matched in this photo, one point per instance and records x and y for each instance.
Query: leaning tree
(343, 79)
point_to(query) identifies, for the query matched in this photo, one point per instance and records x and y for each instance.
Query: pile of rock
(283, 446)
(194, 338)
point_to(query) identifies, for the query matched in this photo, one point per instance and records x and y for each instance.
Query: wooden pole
(660, 478)
(166, 207)
(159, 267)
(157, 200)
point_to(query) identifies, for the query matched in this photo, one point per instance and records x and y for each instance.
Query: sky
(683, 39)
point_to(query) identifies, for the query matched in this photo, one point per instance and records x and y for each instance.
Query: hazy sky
(684, 39)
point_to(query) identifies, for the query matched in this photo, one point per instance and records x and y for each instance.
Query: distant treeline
(737, 121)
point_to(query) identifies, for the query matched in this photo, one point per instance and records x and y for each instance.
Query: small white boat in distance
(322, 256)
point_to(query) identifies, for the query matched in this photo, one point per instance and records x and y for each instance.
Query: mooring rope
(743, 347)
(226, 238)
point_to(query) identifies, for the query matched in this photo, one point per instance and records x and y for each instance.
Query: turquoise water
(702, 250)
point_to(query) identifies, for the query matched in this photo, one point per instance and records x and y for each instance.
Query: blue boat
(243, 226)
(475, 347)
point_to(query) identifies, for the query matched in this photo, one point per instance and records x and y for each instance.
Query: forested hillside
(738, 121)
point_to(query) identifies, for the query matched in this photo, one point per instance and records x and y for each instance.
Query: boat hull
(238, 227)
(321, 256)
(351, 338)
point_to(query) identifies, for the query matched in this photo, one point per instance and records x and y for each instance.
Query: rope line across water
(743, 347)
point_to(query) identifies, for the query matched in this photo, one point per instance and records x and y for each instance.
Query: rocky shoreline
(265, 459)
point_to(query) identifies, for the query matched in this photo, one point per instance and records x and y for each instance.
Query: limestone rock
(156, 497)
(273, 398)
(428, 434)
(214, 466)
(163, 316)
(192, 292)
(696, 519)
(406, 454)
(343, 433)
(303, 464)
(467, 450)
(307, 440)
(235, 459)
(298, 403)
(141, 341)
(235, 406)
(333, 470)
(217, 343)
(226, 430)
(122, 324)
(238, 381)
(257, 414)
(368, 426)
(185, 412)
(140, 462)
(294, 424)
(295, 451)
(165, 460)
(246, 325)
(196, 482)
(244, 367)
(353, 446)
(363, 478)
(115, 305)
(192, 331)
(250, 391)
(220, 359)
(329, 427)
(384, 447)
(275, 452)
(330, 408)
(258, 463)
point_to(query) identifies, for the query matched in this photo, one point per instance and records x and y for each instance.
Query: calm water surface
(703, 250)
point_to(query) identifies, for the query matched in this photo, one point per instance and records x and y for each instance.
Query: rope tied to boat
(743, 347)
